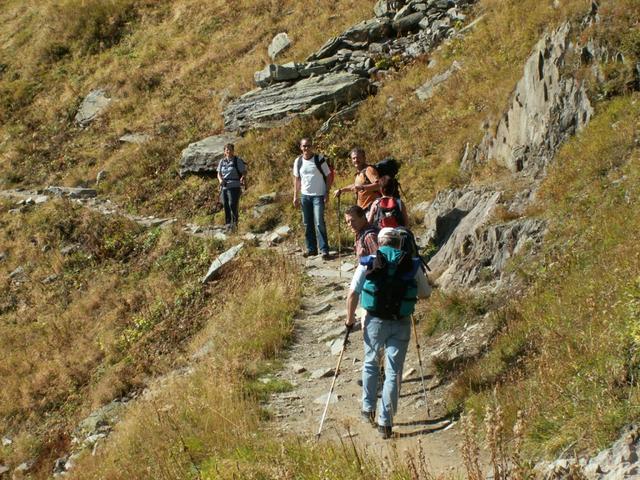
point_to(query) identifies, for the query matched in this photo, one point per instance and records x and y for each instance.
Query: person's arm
(405, 215)
(371, 175)
(296, 191)
(371, 215)
(220, 179)
(243, 173)
(355, 288)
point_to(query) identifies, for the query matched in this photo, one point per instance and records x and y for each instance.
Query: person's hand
(337, 193)
(296, 202)
(349, 323)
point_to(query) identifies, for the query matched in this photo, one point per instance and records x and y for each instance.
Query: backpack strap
(298, 164)
(235, 165)
(318, 160)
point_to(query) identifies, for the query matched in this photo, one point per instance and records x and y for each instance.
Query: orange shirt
(367, 176)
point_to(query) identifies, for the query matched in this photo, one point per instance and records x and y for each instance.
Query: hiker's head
(387, 186)
(229, 148)
(390, 237)
(358, 158)
(306, 147)
(355, 218)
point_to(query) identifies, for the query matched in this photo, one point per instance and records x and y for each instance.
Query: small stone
(50, 278)
(408, 374)
(69, 249)
(17, 273)
(267, 199)
(6, 441)
(101, 176)
(60, 465)
(3, 255)
(321, 373)
(4, 469)
(347, 267)
(297, 368)
(279, 44)
(137, 138)
(321, 400)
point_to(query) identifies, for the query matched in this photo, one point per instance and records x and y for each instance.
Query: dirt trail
(319, 333)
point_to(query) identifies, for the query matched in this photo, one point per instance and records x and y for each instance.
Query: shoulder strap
(318, 160)
(235, 165)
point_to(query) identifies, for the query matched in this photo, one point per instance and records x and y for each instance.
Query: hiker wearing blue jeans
(383, 334)
(232, 175)
(311, 183)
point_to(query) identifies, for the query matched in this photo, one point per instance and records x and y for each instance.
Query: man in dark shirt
(232, 175)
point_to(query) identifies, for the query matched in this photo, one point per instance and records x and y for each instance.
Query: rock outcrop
(202, 157)
(277, 104)
(620, 461)
(346, 67)
(279, 44)
(546, 108)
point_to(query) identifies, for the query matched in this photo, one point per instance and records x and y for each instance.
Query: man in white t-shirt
(311, 184)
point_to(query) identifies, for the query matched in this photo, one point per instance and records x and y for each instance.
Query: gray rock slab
(93, 105)
(279, 103)
(279, 44)
(103, 416)
(222, 260)
(324, 272)
(276, 73)
(427, 90)
(202, 157)
(336, 346)
(4, 469)
(546, 108)
(72, 192)
(137, 138)
(322, 373)
(368, 31)
(409, 23)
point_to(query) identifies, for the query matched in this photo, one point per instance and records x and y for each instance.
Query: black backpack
(388, 166)
(410, 247)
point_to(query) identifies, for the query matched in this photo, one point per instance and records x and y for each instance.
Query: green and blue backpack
(390, 289)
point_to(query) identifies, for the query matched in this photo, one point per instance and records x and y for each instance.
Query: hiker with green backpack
(232, 175)
(388, 285)
(312, 179)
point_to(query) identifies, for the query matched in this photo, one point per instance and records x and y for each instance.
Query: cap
(388, 232)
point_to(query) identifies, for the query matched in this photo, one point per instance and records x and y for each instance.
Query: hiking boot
(309, 254)
(385, 431)
(369, 417)
(327, 256)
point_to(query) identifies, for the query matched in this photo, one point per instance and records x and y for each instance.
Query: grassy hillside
(126, 305)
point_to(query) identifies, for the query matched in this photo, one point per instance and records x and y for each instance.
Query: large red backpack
(389, 213)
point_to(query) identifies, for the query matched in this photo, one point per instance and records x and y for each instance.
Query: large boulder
(93, 105)
(278, 103)
(202, 157)
(545, 109)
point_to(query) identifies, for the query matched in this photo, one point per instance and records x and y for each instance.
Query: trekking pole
(424, 389)
(339, 241)
(333, 382)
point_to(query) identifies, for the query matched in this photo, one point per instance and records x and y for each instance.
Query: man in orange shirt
(366, 185)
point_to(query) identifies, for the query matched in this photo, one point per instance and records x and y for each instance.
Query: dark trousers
(230, 201)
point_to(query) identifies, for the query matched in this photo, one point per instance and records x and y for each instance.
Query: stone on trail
(336, 346)
(202, 157)
(322, 400)
(322, 373)
(222, 259)
(408, 374)
(347, 267)
(267, 198)
(332, 334)
(93, 105)
(297, 368)
(71, 192)
(279, 44)
(318, 309)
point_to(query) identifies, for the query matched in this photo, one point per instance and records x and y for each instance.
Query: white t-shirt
(311, 180)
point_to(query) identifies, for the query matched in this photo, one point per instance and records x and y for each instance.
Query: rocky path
(311, 363)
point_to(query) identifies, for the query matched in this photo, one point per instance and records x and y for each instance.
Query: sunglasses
(305, 146)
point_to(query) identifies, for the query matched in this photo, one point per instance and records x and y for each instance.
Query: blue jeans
(313, 219)
(392, 336)
(230, 201)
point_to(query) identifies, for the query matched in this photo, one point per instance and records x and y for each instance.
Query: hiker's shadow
(430, 425)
